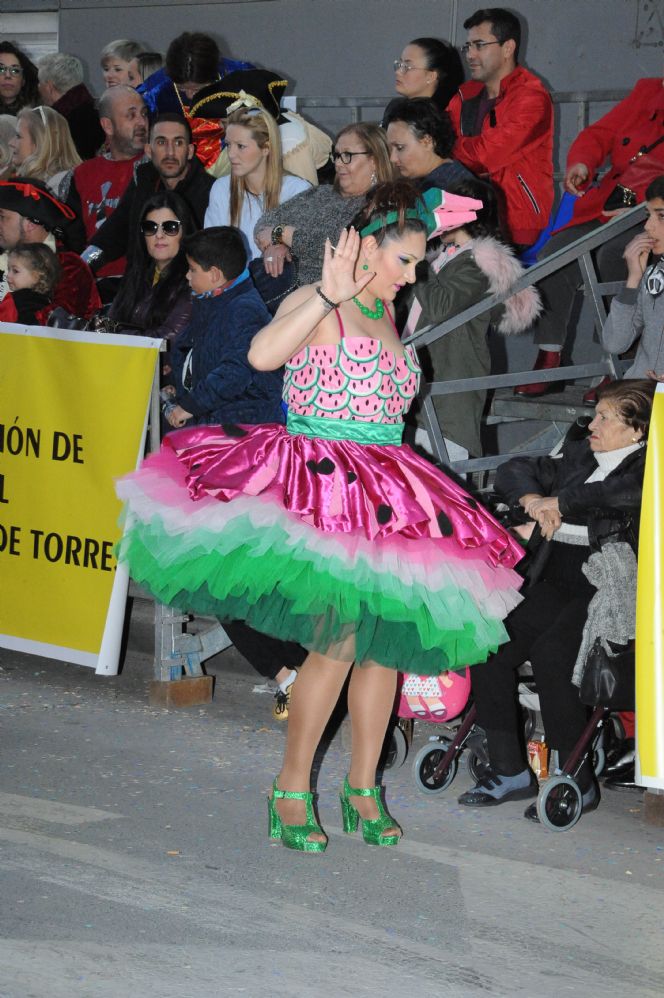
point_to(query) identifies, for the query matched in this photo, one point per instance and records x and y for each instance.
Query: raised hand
(338, 281)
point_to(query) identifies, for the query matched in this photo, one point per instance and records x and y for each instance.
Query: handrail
(581, 250)
(534, 274)
(356, 104)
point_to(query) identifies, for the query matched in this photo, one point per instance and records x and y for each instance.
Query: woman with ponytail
(329, 531)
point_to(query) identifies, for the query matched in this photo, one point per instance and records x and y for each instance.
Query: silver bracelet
(328, 303)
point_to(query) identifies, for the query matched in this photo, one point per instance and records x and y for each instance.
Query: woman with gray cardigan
(293, 234)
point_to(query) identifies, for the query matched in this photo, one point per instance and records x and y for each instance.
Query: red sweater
(633, 123)
(99, 184)
(514, 148)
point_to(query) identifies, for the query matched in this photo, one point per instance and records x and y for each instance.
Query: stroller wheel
(397, 748)
(599, 759)
(427, 761)
(560, 803)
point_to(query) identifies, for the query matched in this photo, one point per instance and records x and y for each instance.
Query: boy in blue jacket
(214, 382)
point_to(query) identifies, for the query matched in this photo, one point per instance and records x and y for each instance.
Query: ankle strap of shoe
(290, 794)
(361, 791)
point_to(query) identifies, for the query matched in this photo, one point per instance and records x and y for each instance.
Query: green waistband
(345, 429)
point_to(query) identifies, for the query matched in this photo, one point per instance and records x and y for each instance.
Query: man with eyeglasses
(94, 188)
(171, 165)
(503, 117)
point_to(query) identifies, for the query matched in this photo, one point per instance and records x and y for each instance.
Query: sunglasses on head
(169, 228)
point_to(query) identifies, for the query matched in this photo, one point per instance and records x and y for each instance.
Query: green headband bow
(438, 210)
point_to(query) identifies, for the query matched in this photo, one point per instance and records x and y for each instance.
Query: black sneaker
(495, 789)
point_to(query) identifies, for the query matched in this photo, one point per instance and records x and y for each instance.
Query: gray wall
(346, 47)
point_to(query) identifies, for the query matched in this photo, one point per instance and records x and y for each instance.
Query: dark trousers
(559, 289)
(267, 655)
(546, 629)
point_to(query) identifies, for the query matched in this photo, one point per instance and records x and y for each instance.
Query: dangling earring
(374, 179)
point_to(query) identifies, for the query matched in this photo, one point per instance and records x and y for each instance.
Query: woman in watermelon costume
(329, 531)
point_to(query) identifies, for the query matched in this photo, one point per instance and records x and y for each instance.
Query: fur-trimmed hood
(518, 312)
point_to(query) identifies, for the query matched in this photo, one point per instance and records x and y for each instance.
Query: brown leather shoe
(547, 360)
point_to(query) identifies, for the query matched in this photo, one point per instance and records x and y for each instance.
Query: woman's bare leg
(370, 703)
(315, 694)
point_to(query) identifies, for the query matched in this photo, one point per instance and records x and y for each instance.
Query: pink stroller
(436, 699)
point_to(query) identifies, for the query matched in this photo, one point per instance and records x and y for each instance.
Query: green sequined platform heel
(294, 836)
(373, 829)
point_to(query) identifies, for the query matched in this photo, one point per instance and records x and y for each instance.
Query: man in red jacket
(503, 118)
(29, 213)
(631, 138)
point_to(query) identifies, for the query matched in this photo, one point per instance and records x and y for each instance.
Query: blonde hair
(265, 132)
(7, 132)
(54, 147)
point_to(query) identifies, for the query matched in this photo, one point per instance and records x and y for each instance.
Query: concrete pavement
(134, 860)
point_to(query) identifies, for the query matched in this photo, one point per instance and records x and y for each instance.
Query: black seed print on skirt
(445, 524)
(384, 513)
(324, 467)
(232, 430)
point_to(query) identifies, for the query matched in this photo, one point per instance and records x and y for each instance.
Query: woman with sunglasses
(18, 79)
(154, 296)
(293, 235)
(427, 67)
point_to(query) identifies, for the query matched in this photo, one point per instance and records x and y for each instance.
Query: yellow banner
(649, 615)
(73, 412)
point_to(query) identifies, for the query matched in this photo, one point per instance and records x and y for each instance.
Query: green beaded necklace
(365, 310)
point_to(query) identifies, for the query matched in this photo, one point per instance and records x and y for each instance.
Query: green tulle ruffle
(318, 603)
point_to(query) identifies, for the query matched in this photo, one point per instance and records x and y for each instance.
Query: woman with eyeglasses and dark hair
(421, 139)
(154, 296)
(18, 79)
(427, 67)
(293, 234)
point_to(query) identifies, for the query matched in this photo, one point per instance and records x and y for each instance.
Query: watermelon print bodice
(358, 378)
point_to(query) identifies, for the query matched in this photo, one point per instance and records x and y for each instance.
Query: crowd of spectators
(212, 130)
(116, 187)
